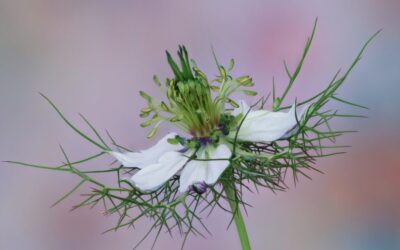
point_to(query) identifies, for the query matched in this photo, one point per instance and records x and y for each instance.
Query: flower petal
(149, 156)
(299, 117)
(205, 171)
(265, 126)
(194, 172)
(155, 175)
(217, 167)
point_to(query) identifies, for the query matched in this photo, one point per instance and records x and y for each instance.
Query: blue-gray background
(94, 56)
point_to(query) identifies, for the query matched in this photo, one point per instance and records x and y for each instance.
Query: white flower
(266, 126)
(162, 161)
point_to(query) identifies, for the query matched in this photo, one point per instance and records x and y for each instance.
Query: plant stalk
(237, 215)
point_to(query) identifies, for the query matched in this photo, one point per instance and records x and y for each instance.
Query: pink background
(94, 56)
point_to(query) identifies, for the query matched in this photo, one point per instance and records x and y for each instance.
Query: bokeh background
(94, 56)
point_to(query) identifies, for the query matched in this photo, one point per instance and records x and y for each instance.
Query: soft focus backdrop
(94, 56)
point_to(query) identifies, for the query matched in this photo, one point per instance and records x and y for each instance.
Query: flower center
(204, 140)
(194, 106)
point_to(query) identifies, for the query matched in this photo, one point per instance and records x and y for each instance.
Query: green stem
(240, 226)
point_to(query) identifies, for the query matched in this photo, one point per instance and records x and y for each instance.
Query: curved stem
(237, 215)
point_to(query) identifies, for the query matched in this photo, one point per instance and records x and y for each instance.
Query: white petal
(265, 126)
(217, 167)
(205, 171)
(242, 109)
(149, 156)
(299, 117)
(194, 172)
(155, 175)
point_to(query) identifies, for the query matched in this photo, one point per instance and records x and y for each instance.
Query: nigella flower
(201, 159)
(223, 142)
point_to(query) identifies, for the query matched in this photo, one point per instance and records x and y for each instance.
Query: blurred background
(93, 57)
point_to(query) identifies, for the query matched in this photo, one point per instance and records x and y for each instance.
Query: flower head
(209, 119)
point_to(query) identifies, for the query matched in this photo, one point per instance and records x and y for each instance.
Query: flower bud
(199, 73)
(233, 103)
(200, 187)
(146, 123)
(249, 92)
(214, 88)
(144, 114)
(146, 110)
(245, 81)
(175, 119)
(152, 132)
(165, 107)
(222, 72)
(231, 64)
(173, 141)
(156, 80)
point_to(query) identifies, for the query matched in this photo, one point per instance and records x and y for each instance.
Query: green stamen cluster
(191, 105)
(191, 101)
